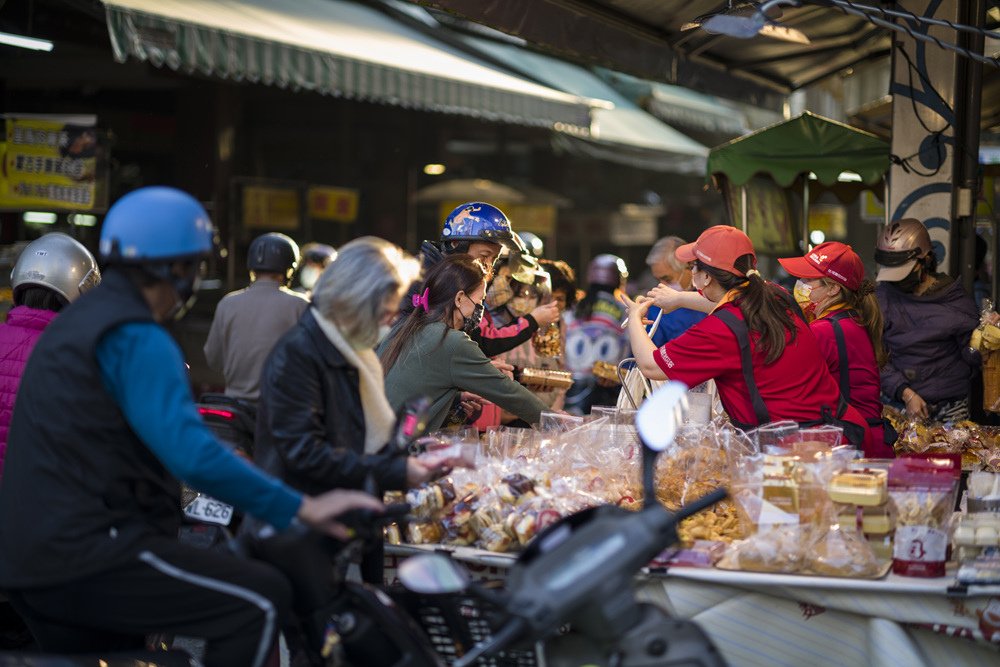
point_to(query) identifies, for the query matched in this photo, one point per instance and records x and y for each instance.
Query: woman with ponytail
(429, 353)
(847, 321)
(763, 357)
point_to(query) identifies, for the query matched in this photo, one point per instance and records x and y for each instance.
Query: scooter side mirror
(657, 423)
(433, 574)
(411, 423)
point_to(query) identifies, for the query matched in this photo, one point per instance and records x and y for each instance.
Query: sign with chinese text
(270, 207)
(335, 204)
(53, 162)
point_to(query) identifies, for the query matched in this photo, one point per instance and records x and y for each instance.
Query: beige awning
(336, 48)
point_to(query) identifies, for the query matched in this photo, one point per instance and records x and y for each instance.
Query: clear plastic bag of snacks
(428, 501)
(559, 422)
(840, 552)
(779, 548)
(453, 450)
(774, 438)
(702, 459)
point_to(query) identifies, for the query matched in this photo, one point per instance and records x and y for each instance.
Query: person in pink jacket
(51, 272)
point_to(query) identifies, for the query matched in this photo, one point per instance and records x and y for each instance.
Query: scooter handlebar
(699, 504)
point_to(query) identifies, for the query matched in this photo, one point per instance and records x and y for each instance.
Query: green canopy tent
(766, 164)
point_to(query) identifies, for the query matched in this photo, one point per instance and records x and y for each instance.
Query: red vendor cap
(834, 260)
(719, 247)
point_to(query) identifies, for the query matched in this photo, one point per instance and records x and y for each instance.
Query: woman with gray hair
(323, 415)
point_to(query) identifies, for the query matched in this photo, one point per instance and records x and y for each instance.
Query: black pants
(236, 605)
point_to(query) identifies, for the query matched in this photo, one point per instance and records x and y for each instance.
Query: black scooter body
(231, 420)
(372, 629)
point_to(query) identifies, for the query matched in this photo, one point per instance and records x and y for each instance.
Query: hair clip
(422, 300)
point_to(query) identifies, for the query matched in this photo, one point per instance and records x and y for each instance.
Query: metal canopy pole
(968, 105)
(805, 215)
(743, 207)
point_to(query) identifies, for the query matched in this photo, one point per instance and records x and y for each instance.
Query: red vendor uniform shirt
(862, 370)
(796, 386)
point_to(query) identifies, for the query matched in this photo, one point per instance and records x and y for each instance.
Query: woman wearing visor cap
(928, 319)
(764, 359)
(839, 302)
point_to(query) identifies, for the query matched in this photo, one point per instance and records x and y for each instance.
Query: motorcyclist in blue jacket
(103, 428)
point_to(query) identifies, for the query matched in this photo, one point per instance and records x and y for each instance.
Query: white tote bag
(636, 387)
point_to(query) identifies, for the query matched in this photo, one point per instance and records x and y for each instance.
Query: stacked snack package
(785, 499)
(781, 517)
(977, 533)
(921, 500)
(986, 339)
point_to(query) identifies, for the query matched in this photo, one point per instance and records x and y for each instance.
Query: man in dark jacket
(90, 501)
(928, 319)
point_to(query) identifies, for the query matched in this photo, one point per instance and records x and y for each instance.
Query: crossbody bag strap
(739, 329)
(838, 333)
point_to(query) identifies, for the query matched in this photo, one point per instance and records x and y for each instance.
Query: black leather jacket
(310, 425)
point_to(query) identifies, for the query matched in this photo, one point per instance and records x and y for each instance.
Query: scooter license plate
(209, 510)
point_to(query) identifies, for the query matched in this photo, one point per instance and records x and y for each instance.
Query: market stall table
(776, 619)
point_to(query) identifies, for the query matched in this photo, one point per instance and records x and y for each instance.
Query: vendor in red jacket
(764, 359)
(847, 322)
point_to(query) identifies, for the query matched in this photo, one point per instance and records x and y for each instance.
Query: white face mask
(308, 276)
(383, 332)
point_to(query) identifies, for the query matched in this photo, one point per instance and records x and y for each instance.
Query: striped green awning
(336, 48)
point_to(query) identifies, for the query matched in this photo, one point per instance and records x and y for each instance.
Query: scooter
(343, 622)
(209, 522)
(339, 622)
(580, 572)
(232, 420)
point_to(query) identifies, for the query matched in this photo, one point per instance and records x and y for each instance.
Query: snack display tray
(892, 583)
(884, 570)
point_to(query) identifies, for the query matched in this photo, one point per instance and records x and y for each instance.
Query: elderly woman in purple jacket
(50, 272)
(928, 320)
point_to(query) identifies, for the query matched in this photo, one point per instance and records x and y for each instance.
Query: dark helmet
(479, 221)
(532, 243)
(607, 270)
(273, 253)
(318, 253)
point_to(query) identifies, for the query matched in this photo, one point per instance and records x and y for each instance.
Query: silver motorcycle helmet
(58, 262)
(899, 246)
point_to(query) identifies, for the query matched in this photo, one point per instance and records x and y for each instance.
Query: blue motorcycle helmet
(482, 222)
(155, 229)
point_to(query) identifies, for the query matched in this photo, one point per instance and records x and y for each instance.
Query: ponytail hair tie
(419, 300)
(753, 272)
